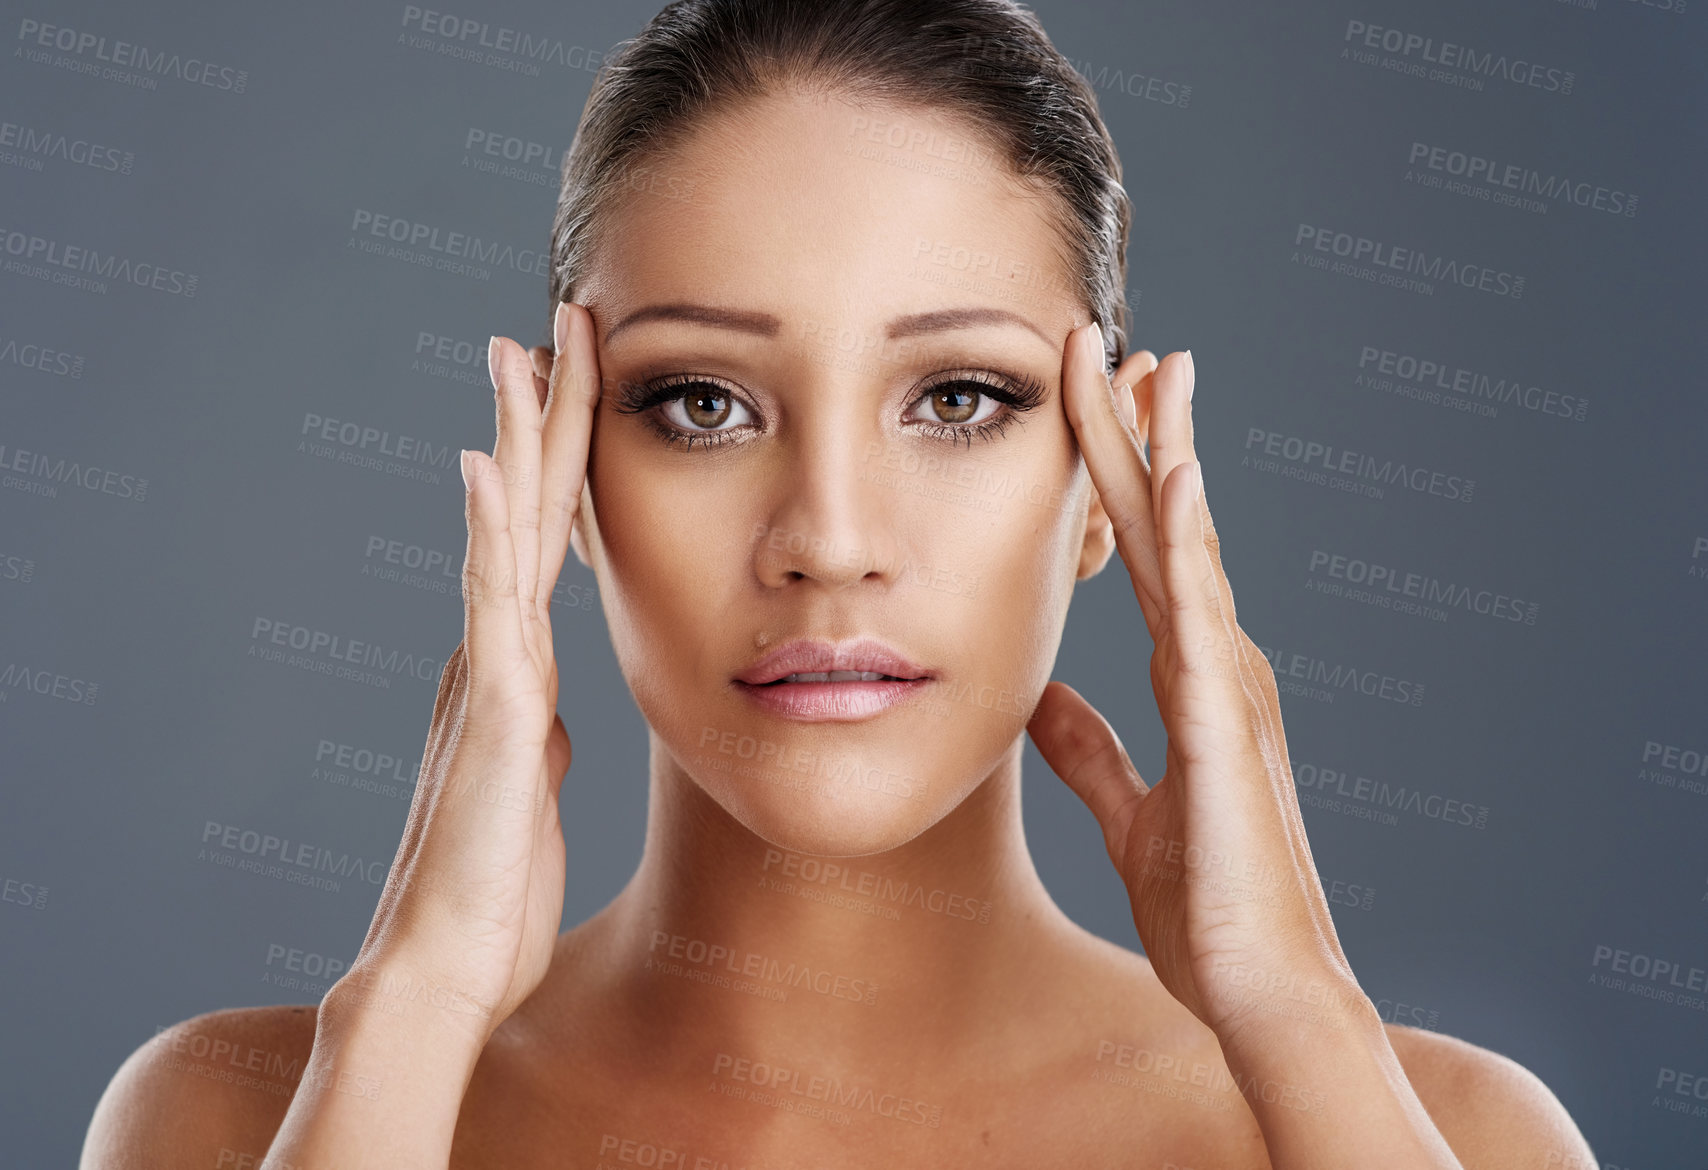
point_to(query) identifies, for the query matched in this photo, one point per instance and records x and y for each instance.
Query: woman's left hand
(1224, 892)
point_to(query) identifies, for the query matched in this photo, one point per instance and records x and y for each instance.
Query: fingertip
(1185, 473)
(1044, 700)
(1126, 398)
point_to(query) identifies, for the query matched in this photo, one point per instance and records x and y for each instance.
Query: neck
(723, 940)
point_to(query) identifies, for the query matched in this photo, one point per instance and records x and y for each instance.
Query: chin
(828, 823)
(829, 801)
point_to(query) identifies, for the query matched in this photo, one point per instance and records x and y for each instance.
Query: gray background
(1487, 933)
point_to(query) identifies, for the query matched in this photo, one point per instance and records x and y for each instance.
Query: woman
(839, 486)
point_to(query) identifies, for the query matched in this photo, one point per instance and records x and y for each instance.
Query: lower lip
(825, 702)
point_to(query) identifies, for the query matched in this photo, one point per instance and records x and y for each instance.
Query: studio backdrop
(1440, 266)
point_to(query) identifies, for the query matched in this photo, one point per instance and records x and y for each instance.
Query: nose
(833, 521)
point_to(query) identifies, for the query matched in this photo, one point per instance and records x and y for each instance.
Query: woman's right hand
(470, 911)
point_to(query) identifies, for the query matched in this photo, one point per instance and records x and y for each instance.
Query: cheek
(1024, 553)
(667, 557)
(1041, 568)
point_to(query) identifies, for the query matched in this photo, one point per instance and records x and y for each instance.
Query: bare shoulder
(208, 1091)
(1494, 1112)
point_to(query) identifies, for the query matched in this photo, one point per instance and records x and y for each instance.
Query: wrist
(383, 1084)
(1325, 1086)
(375, 1003)
(1283, 1009)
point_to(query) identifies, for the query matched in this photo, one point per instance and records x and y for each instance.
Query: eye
(686, 408)
(704, 407)
(961, 403)
(974, 404)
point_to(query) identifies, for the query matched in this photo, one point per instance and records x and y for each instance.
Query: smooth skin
(470, 1033)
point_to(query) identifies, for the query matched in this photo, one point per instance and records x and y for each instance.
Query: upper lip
(812, 654)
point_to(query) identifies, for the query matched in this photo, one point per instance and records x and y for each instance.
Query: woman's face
(831, 341)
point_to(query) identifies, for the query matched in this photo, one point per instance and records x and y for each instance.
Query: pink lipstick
(818, 681)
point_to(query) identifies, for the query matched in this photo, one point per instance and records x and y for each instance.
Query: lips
(813, 681)
(805, 661)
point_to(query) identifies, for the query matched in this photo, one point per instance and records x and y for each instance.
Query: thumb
(1081, 748)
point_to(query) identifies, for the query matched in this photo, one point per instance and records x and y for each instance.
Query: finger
(542, 358)
(1136, 407)
(1170, 421)
(1207, 656)
(517, 454)
(568, 432)
(1174, 441)
(452, 687)
(1213, 550)
(1173, 445)
(490, 613)
(1081, 748)
(1116, 463)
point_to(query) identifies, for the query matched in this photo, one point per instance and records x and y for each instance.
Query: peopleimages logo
(1471, 385)
(38, 36)
(32, 356)
(1424, 51)
(304, 860)
(486, 44)
(1364, 798)
(450, 246)
(1512, 180)
(47, 682)
(1354, 572)
(829, 1088)
(47, 472)
(677, 954)
(1387, 260)
(33, 145)
(1322, 679)
(1322, 460)
(50, 259)
(328, 653)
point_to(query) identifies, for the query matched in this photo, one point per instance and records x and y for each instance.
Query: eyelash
(1017, 394)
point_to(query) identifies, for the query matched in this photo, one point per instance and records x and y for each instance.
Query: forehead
(821, 210)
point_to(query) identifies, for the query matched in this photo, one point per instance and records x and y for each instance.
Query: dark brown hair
(988, 61)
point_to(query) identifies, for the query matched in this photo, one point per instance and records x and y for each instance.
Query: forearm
(383, 1085)
(1329, 1093)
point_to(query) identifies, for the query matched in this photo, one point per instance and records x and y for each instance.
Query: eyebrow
(768, 325)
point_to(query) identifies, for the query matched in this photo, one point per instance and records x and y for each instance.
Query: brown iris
(706, 408)
(954, 405)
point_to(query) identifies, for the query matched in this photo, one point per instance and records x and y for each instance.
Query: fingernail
(1127, 402)
(1197, 480)
(1192, 376)
(560, 327)
(463, 460)
(1092, 340)
(492, 360)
